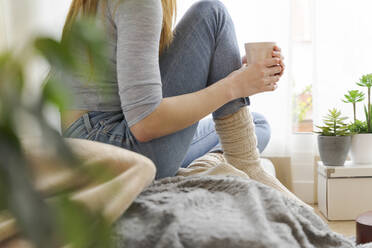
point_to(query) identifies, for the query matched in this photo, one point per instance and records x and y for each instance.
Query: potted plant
(334, 139)
(63, 221)
(361, 143)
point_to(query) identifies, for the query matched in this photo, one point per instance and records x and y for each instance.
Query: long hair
(89, 8)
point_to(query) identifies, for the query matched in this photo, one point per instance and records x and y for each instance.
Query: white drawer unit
(344, 192)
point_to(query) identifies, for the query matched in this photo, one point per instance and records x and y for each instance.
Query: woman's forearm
(179, 112)
(176, 113)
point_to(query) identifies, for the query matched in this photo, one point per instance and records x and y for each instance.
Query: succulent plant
(366, 81)
(334, 124)
(354, 96)
(358, 127)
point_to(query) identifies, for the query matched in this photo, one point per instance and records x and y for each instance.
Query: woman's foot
(211, 164)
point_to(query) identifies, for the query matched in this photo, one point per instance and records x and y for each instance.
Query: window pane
(302, 66)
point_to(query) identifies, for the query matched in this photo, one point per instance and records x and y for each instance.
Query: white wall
(343, 52)
(3, 25)
(28, 18)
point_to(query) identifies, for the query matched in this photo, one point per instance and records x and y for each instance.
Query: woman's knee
(204, 8)
(209, 4)
(263, 130)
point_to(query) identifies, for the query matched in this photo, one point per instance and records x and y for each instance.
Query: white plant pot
(361, 149)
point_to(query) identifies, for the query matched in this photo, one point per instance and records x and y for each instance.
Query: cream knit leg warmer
(239, 143)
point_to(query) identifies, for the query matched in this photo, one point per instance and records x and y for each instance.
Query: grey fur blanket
(214, 212)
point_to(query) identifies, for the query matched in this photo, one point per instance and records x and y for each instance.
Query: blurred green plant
(63, 222)
(334, 124)
(303, 103)
(366, 81)
(353, 97)
(358, 127)
(368, 117)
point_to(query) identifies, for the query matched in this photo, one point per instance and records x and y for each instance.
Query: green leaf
(80, 227)
(11, 78)
(54, 92)
(354, 96)
(23, 201)
(59, 57)
(365, 81)
(358, 127)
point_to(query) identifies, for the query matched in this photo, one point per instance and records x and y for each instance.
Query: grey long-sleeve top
(134, 82)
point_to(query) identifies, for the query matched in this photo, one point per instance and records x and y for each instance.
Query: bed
(221, 211)
(216, 207)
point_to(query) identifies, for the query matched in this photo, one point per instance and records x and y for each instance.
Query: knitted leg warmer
(239, 143)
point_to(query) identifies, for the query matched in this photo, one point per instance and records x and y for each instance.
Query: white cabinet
(344, 192)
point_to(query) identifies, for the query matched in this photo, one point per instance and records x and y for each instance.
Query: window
(302, 65)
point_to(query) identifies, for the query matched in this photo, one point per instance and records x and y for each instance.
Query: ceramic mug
(258, 51)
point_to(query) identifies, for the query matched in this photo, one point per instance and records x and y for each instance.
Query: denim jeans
(204, 50)
(206, 139)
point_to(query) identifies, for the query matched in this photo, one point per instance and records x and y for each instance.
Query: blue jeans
(204, 50)
(206, 139)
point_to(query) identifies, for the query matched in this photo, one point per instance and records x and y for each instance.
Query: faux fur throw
(220, 212)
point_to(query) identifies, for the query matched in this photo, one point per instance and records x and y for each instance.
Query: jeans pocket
(107, 127)
(101, 132)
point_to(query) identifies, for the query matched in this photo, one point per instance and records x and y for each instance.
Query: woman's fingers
(271, 87)
(277, 55)
(276, 48)
(271, 62)
(271, 80)
(274, 70)
(277, 52)
(282, 65)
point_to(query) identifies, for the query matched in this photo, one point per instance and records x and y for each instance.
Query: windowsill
(304, 133)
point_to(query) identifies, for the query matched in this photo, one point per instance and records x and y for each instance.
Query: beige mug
(258, 51)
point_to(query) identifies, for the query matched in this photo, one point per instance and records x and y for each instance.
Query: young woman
(163, 83)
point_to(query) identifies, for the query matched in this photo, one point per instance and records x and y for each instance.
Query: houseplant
(362, 131)
(353, 97)
(64, 221)
(334, 139)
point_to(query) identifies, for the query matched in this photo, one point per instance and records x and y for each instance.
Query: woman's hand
(256, 78)
(277, 53)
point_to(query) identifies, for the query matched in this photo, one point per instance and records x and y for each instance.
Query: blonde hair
(89, 8)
